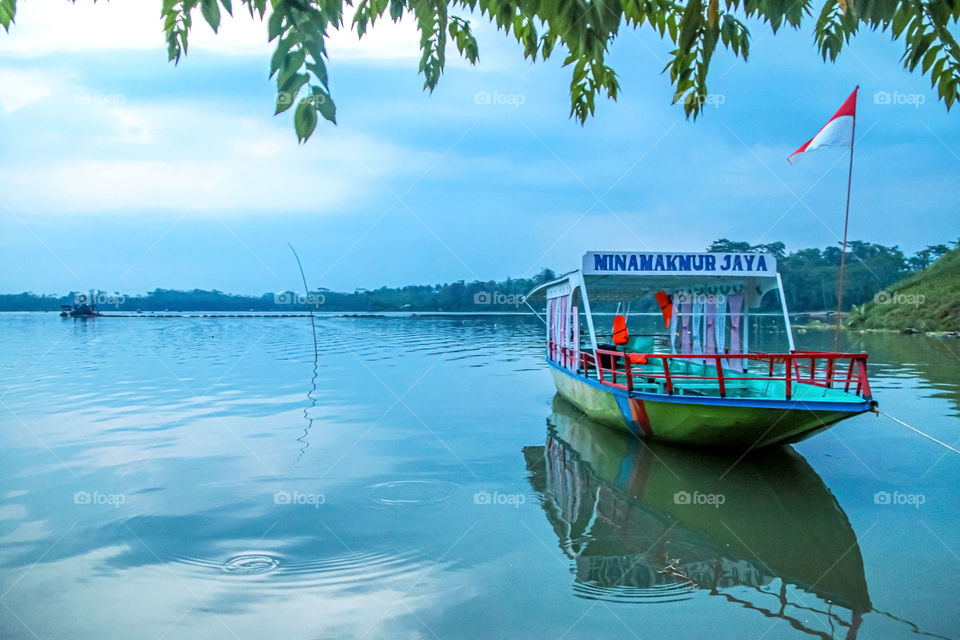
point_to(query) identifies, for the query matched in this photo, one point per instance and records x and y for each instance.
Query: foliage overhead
(585, 29)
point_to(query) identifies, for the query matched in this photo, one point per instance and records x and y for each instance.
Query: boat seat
(680, 387)
(652, 387)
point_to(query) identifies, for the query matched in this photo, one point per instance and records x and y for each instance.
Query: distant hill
(927, 301)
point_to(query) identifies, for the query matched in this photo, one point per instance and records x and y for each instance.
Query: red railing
(819, 368)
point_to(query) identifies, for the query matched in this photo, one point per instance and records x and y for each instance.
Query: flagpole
(846, 223)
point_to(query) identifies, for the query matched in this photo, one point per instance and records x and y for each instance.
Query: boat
(645, 522)
(84, 306)
(694, 379)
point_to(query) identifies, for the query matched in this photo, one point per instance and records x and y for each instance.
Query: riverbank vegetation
(928, 300)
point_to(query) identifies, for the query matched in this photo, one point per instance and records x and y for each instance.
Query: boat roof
(613, 274)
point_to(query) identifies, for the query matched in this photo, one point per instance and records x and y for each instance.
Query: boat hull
(735, 423)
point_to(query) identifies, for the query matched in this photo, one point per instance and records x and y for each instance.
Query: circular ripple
(401, 492)
(342, 570)
(251, 564)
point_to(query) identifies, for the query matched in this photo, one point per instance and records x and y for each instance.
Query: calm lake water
(201, 478)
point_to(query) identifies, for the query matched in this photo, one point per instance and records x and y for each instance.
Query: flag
(838, 132)
(666, 306)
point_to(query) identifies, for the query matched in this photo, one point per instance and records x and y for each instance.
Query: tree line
(810, 276)
(809, 280)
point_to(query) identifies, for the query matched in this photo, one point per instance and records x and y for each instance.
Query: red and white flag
(838, 132)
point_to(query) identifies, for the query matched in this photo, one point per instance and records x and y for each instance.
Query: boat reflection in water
(650, 523)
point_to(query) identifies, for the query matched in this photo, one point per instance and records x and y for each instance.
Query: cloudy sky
(122, 172)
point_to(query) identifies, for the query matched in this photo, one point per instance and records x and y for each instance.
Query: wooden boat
(698, 382)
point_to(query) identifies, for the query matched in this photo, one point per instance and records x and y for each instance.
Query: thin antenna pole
(846, 223)
(316, 360)
(306, 292)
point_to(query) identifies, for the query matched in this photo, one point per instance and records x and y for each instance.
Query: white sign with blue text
(679, 264)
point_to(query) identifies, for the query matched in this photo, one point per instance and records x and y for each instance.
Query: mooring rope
(928, 437)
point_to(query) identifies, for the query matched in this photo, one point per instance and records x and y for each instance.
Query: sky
(122, 172)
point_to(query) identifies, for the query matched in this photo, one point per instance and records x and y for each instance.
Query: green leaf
(8, 9)
(211, 13)
(396, 9)
(275, 25)
(284, 102)
(929, 58)
(294, 84)
(291, 64)
(324, 104)
(228, 6)
(280, 54)
(318, 69)
(305, 120)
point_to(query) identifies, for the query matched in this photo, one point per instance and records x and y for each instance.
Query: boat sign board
(679, 264)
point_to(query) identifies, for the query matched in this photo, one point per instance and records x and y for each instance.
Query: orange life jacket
(620, 333)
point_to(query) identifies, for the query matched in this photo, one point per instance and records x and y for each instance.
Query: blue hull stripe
(624, 403)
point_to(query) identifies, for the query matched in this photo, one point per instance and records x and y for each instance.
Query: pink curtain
(736, 318)
(710, 340)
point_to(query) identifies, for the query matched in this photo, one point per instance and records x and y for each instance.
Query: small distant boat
(84, 306)
(696, 383)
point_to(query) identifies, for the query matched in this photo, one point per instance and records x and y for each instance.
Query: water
(201, 478)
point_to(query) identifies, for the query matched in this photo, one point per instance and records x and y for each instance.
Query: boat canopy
(688, 278)
(612, 276)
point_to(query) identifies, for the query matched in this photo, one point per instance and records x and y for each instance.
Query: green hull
(735, 423)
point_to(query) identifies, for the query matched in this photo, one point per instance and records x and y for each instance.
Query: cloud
(145, 158)
(45, 27)
(19, 89)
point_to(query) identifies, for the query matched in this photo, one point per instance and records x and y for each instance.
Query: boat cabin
(676, 324)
